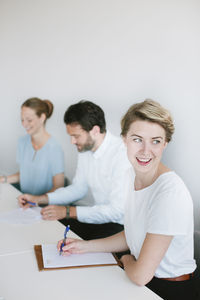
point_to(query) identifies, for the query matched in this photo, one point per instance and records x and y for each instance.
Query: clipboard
(39, 258)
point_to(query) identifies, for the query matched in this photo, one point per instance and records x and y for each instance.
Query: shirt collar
(103, 147)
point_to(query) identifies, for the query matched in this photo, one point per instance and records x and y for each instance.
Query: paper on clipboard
(52, 259)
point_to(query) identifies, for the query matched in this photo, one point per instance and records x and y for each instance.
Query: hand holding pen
(65, 237)
(26, 201)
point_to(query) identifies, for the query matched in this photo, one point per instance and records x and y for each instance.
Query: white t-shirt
(165, 207)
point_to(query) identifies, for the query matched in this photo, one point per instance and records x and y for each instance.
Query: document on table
(21, 216)
(52, 258)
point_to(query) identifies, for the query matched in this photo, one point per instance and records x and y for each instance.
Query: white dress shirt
(103, 171)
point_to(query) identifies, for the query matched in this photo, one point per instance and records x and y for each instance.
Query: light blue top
(37, 168)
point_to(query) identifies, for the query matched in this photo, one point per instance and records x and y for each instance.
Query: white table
(16, 238)
(20, 278)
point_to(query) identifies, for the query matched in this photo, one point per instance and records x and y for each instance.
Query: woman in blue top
(40, 157)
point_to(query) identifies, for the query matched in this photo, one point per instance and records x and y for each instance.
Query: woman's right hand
(73, 246)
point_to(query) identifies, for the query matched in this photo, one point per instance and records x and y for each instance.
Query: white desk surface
(16, 238)
(20, 278)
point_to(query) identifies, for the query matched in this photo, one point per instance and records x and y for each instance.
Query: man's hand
(27, 200)
(53, 212)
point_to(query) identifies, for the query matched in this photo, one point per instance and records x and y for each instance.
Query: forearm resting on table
(136, 271)
(14, 178)
(57, 212)
(114, 243)
(142, 270)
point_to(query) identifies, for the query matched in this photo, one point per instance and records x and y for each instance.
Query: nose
(73, 140)
(146, 148)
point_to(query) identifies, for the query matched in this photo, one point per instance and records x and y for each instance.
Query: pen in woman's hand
(65, 236)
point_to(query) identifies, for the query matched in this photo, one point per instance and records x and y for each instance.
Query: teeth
(144, 159)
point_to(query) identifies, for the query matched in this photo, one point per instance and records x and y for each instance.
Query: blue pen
(30, 202)
(65, 236)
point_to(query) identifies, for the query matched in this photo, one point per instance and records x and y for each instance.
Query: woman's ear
(165, 146)
(43, 117)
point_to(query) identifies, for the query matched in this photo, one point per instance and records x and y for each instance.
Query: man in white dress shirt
(102, 163)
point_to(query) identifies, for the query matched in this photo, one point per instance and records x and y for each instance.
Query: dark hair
(87, 114)
(39, 106)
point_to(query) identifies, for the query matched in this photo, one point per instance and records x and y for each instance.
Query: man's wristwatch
(67, 212)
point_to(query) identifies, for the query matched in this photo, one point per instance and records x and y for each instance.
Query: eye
(155, 142)
(137, 140)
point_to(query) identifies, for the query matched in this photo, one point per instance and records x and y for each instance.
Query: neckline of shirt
(34, 150)
(102, 148)
(155, 182)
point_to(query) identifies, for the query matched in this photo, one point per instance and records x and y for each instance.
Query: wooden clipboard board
(39, 258)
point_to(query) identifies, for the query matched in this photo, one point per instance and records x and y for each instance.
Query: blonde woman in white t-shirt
(158, 213)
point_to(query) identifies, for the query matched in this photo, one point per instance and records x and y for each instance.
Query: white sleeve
(113, 211)
(73, 192)
(171, 213)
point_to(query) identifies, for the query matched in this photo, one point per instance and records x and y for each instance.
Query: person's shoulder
(53, 149)
(171, 180)
(170, 183)
(53, 143)
(115, 143)
(114, 138)
(117, 150)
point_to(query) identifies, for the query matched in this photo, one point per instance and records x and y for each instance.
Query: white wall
(112, 52)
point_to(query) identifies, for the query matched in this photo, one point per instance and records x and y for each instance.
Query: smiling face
(81, 138)
(30, 121)
(145, 143)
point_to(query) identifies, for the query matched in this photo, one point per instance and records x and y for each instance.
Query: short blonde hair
(151, 111)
